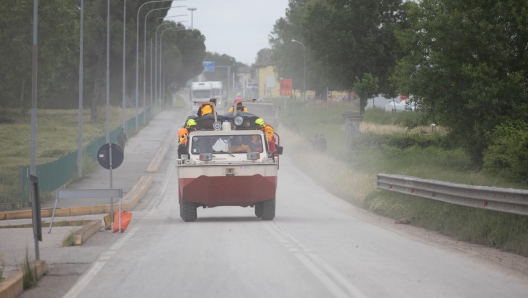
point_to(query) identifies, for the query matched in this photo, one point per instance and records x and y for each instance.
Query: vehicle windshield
(201, 93)
(217, 91)
(227, 144)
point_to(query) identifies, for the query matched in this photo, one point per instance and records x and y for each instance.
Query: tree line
(58, 55)
(463, 62)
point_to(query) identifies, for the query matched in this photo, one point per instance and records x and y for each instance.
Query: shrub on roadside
(507, 154)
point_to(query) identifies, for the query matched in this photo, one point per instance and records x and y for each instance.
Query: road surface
(315, 247)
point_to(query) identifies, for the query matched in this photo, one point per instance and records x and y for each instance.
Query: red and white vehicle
(228, 167)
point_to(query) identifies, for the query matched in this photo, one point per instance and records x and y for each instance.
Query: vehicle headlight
(253, 156)
(238, 120)
(206, 157)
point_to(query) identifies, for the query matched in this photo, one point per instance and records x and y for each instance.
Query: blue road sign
(209, 66)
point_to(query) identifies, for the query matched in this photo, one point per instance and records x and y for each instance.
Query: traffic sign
(286, 87)
(209, 66)
(103, 156)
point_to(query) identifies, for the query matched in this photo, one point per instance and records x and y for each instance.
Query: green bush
(409, 120)
(507, 154)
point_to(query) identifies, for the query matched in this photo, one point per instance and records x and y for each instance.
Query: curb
(155, 164)
(82, 234)
(130, 200)
(14, 285)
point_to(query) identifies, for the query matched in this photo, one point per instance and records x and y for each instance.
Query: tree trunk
(98, 82)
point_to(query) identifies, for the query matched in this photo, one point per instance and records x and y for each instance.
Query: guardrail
(491, 198)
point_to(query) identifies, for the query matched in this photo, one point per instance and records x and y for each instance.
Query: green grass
(351, 174)
(57, 133)
(29, 278)
(2, 267)
(69, 240)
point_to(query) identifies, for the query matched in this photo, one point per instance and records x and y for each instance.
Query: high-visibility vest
(231, 109)
(182, 134)
(268, 130)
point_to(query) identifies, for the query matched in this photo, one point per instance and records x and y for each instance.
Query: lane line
(84, 281)
(321, 276)
(353, 290)
(121, 241)
(338, 278)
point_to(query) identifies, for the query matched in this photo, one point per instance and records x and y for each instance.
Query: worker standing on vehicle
(239, 106)
(182, 137)
(270, 133)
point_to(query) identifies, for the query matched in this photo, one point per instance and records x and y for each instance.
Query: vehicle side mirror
(279, 150)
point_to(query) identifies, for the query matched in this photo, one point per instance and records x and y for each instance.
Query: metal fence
(492, 198)
(14, 190)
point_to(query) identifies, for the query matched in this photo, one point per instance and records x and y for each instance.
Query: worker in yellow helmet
(190, 125)
(266, 128)
(184, 131)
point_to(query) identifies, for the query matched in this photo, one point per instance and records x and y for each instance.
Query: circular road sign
(103, 156)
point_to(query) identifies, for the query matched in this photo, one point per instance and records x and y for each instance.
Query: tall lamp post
(80, 115)
(156, 53)
(161, 53)
(145, 59)
(191, 9)
(137, 53)
(304, 67)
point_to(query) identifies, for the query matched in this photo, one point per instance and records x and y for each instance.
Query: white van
(200, 92)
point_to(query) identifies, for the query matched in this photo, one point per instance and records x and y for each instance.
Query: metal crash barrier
(484, 197)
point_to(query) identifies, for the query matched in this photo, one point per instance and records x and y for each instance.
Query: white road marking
(84, 281)
(327, 282)
(121, 241)
(317, 262)
(87, 278)
(353, 290)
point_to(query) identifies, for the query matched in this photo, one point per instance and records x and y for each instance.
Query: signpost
(209, 66)
(110, 156)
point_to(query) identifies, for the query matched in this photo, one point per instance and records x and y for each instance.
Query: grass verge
(69, 240)
(2, 267)
(351, 175)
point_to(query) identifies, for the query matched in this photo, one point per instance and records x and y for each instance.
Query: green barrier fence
(53, 175)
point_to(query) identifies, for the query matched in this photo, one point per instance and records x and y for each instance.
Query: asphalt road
(315, 247)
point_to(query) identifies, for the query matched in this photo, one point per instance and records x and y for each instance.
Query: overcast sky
(238, 28)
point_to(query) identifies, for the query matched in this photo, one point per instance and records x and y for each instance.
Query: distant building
(266, 76)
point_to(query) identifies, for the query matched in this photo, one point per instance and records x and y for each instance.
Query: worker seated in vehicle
(239, 106)
(256, 144)
(238, 146)
(182, 136)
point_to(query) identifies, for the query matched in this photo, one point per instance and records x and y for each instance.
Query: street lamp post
(137, 54)
(145, 59)
(191, 9)
(80, 115)
(156, 54)
(161, 55)
(304, 67)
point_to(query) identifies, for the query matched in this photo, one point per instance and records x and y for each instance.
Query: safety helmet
(260, 122)
(191, 122)
(238, 99)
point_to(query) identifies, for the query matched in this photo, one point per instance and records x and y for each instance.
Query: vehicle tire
(268, 209)
(258, 210)
(188, 211)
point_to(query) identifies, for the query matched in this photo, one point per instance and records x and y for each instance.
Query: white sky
(238, 28)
